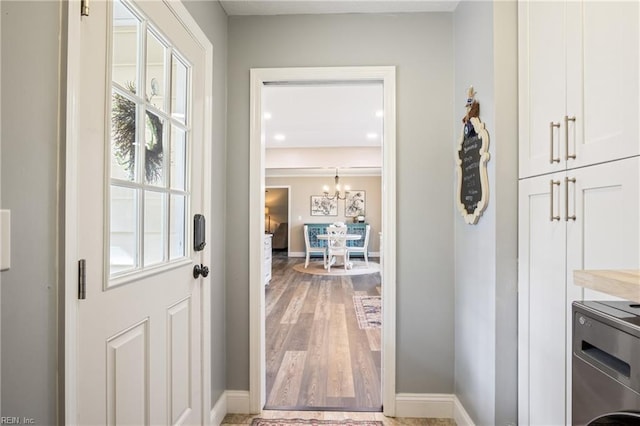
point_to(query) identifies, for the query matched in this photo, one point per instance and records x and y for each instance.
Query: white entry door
(141, 180)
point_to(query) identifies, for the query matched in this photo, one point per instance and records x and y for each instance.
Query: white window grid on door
(172, 248)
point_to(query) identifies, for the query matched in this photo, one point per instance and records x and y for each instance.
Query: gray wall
(30, 55)
(421, 47)
(213, 21)
(485, 254)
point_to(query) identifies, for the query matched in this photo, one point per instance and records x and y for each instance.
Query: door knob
(200, 270)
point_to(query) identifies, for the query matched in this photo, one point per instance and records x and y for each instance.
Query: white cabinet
(579, 143)
(267, 257)
(578, 84)
(584, 218)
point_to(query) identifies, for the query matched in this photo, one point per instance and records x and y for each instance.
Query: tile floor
(244, 419)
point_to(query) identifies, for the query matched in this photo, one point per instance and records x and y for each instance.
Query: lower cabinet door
(542, 302)
(586, 218)
(603, 226)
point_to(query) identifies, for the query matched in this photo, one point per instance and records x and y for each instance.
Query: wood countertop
(620, 283)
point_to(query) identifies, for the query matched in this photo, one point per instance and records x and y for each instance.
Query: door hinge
(82, 279)
(84, 8)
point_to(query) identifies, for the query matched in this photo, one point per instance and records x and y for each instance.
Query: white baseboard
(421, 405)
(460, 415)
(219, 410)
(432, 405)
(238, 402)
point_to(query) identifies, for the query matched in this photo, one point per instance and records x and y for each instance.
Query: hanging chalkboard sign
(473, 154)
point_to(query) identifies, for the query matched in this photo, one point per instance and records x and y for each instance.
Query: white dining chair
(310, 249)
(337, 246)
(365, 246)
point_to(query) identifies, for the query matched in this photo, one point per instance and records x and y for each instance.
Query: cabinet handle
(552, 126)
(566, 198)
(552, 183)
(567, 119)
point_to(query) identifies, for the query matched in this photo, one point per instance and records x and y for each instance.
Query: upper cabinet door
(542, 91)
(578, 84)
(602, 81)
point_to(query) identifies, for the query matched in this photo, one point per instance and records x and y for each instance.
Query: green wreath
(124, 137)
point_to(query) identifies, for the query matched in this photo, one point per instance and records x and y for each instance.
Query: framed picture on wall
(354, 204)
(322, 206)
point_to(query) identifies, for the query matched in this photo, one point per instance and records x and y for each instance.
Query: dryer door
(625, 418)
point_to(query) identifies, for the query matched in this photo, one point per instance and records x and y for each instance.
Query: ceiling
(323, 115)
(304, 7)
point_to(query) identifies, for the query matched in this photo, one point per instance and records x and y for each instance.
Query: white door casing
(137, 352)
(260, 76)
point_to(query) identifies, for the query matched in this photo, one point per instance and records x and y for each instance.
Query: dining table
(329, 237)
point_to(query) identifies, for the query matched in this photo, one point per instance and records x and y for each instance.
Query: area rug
(368, 311)
(313, 422)
(359, 268)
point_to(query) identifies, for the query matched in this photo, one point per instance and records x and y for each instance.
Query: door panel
(127, 377)
(179, 360)
(139, 339)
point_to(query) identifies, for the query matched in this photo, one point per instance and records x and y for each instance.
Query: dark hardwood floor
(317, 357)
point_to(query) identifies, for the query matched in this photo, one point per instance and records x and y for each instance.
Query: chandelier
(336, 195)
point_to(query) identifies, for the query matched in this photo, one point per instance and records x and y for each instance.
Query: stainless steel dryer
(606, 363)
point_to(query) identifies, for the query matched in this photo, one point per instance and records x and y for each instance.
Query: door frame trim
(68, 317)
(260, 76)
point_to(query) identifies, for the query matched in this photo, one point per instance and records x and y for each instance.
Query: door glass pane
(123, 138)
(125, 46)
(149, 152)
(123, 227)
(178, 90)
(155, 71)
(177, 227)
(178, 158)
(154, 149)
(154, 227)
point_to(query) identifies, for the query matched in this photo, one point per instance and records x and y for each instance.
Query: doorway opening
(277, 213)
(261, 78)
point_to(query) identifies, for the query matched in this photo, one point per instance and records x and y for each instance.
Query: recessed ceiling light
(267, 116)
(379, 113)
(372, 135)
(279, 137)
